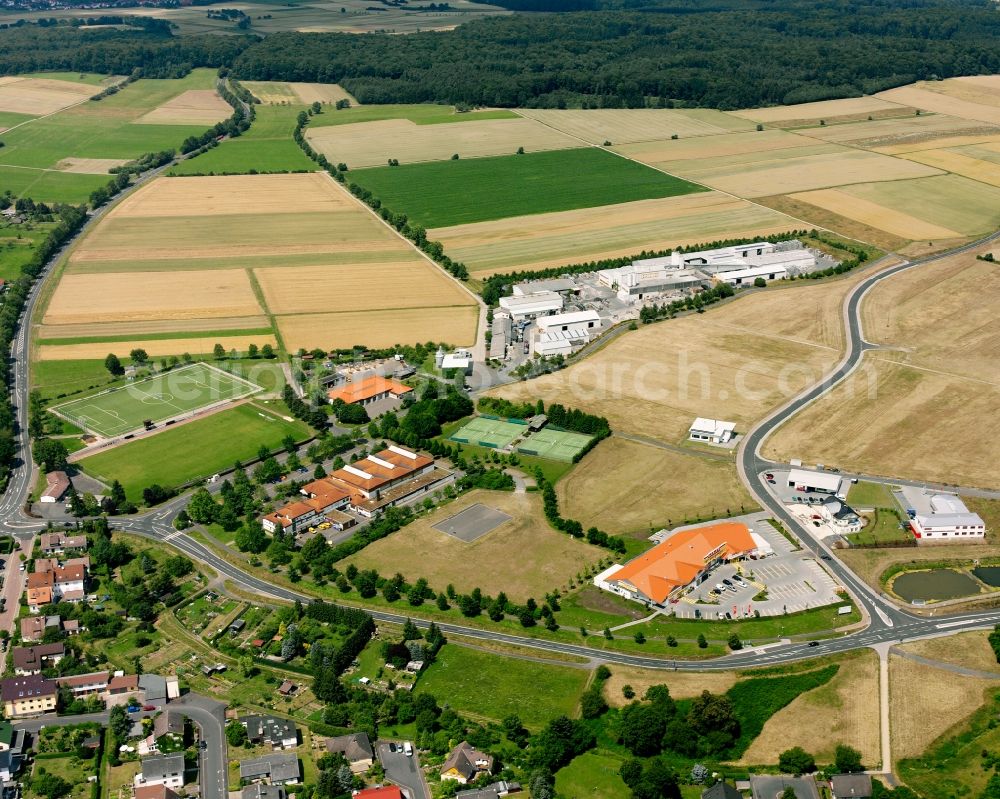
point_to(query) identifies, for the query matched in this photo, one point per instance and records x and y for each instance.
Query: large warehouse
(685, 558)
(817, 482)
(935, 516)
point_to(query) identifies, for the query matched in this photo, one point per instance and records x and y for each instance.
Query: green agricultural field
(17, 246)
(267, 147)
(420, 114)
(104, 129)
(443, 193)
(194, 450)
(163, 396)
(489, 685)
(90, 78)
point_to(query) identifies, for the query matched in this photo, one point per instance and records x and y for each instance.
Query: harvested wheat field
(951, 201)
(926, 702)
(890, 419)
(969, 650)
(677, 487)
(874, 215)
(664, 152)
(902, 133)
(193, 107)
(41, 96)
(841, 712)
(682, 685)
(960, 99)
(154, 347)
(366, 144)
(50, 334)
(722, 365)
(422, 551)
(235, 195)
(824, 109)
(634, 125)
(798, 169)
(89, 166)
(454, 325)
(959, 164)
(151, 295)
(411, 283)
(566, 237)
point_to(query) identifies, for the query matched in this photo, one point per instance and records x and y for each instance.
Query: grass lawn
(194, 450)
(870, 495)
(593, 774)
(57, 379)
(267, 147)
(74, 771)
(883, 527)
(420, 114)
(488, 685)
(443, 193)
(157, 398)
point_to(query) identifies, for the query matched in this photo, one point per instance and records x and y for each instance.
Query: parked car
(817, 524)
(408, 749)
(147, 708)
(727, 582)
(770, 477)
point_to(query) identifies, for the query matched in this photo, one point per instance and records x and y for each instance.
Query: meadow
(112, 128)
(425, 114)
(487, 685)
(17, 246)
(464, 191)
(918, 411)
(419, 550)
(369, 144)
(272, 92)
(193, 450)
(677, 487)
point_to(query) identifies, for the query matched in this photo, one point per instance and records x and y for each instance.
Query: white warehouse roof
(539, 302)
(714, 427)
(572, 318)
(818, 480)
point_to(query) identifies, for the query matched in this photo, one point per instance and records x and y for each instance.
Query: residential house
(166, 770)
(260, 790)
(123, 685)
(850, 786)
(771, 786)
(13, 744)
(51, 564)
(28, 696)
(33, 627)
(32, 659)
(56, 485)
(154, 792)
(86, 684)
(356, 748)
(63, 583)
(278, 732)
(380, 792)
(721, 790)
(276, 768)
(57, 543)
(465, 763)
(494, 791)
(169, 724)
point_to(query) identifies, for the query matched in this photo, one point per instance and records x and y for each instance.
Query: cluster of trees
(349, 413)
(121, 176)
(846, 760)
(994, 639)
(300, 409)
(242, 117)
(763, 53)
(695, 302)
(550, 506)
(415, 233)
(238, 501)
(149, 47)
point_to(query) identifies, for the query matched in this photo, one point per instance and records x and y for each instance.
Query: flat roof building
(935, 515)
(682, 559)
(559, 285)
(712, 430)
(530, 306)
(819, 482)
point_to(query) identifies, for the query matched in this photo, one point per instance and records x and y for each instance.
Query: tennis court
(165, 396)
(555, 445)
(485, 432)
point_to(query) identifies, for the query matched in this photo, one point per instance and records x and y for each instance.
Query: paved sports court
(472, 523)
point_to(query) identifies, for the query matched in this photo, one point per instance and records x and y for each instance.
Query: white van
(408, 749)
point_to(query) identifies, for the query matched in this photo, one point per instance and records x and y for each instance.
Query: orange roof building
(380, 471)
(369, 390)
(681, 559)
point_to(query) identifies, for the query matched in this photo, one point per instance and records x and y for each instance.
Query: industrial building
(684, 558)
(935, 515)
(460, 360)
(560, 285)
(653, 276)
(531, 306)
(368, 390)
(817, 482)
(712, 431)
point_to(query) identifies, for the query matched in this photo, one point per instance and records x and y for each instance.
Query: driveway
(13, 586)
(403, 771)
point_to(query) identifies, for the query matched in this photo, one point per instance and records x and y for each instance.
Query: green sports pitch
(486, 432)
(171, 395)
(556, 445)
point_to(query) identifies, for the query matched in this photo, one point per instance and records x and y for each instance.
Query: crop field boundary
(117, 411)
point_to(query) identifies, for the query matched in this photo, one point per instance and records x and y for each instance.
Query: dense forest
(626, 53)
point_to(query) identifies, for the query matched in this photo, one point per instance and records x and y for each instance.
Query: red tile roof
(362, 390)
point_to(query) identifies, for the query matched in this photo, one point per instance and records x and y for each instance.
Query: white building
(713, 431)
(575, 320)
(531, 306)
(559, 342)
(935, 516)
(560, 285)
(652, 276)
(560, 334)
(460, 360)
(818, 482)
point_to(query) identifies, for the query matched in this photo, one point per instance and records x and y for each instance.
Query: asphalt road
(403, 771)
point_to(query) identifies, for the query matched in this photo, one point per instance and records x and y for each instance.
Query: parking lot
(790, 579)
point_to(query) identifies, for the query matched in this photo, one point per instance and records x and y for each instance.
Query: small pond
(988, 574)
(934, 585)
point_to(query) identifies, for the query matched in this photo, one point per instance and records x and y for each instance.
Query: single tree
(113, 365)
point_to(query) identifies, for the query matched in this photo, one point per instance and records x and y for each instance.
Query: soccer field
(165, 396)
